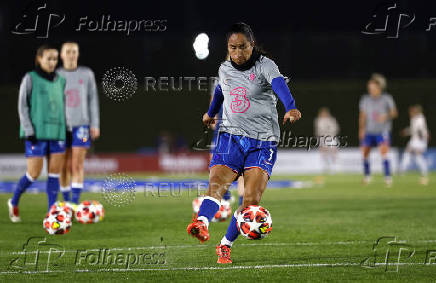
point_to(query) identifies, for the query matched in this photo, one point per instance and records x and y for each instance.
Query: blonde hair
(379, 79)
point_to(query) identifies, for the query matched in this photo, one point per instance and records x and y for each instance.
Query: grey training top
(249, 107)
(373, 108)
(81, 97)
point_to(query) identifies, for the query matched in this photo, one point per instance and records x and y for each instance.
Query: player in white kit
(326, 128)
(417, 144)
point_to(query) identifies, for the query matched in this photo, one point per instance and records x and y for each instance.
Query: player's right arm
(23, 106)
(214, 108)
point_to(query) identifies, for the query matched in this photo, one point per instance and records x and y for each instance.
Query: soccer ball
(57, 221)
(89, 212)
(222, 214)
(63, 206)
(254, 222)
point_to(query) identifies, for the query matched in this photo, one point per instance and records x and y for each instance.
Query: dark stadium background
(318, 44)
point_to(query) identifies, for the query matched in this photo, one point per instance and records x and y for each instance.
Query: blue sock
(53, 187)
(66, 193)
(387, 167)
(241, 198)
(66, 196)
(22, 185)
(208, 209)
(76, 190)
(232, 230)
(366, 167)
(227, 195)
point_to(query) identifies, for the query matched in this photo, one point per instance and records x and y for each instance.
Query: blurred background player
(377, 110)
(417, 144)
(82, 118)
(246, 92)
(326, 129)
(42, 124)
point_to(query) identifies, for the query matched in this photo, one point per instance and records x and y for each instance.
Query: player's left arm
(94, 109)
(279, 86)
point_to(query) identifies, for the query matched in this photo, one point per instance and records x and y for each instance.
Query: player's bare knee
(34, 174)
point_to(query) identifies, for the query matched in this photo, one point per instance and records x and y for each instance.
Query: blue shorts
(79, 137)
(376, 140)
(240, 153)
(42, 148)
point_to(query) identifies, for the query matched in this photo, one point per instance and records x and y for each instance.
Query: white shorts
(417, 144)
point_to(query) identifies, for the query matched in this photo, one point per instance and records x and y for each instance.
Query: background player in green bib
(82, 118)
(42, 125)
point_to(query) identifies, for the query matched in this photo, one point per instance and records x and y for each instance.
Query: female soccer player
(42, 124)
(247, 143)
(377, 109)
(417, 144)
(82, 114)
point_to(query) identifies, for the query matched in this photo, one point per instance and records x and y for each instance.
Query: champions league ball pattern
(89, 212)
(57, 221)
(63, 206)
(254, 222)
(119, 84)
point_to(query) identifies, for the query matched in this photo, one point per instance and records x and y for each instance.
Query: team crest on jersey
(240, 102)
(252, 76)
(82, 133)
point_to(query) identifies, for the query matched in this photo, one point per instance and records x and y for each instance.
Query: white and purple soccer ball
(254, 222)
(89, 212)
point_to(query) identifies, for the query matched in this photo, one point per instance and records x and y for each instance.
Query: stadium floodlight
(201, 46)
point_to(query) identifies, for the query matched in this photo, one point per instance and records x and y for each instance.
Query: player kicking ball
(82, 118)
(247, 141)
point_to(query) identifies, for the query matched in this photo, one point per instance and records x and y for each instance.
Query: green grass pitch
(324, 233)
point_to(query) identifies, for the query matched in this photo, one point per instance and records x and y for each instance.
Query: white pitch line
(340, 243)
(241, 267)
(208, 246)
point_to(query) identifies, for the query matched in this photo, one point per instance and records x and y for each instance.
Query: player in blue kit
(42, 125)
(377, 110)
(82, 118)
(249, 132)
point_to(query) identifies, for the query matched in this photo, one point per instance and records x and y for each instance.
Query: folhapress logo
(39, 20)
(388, 20)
